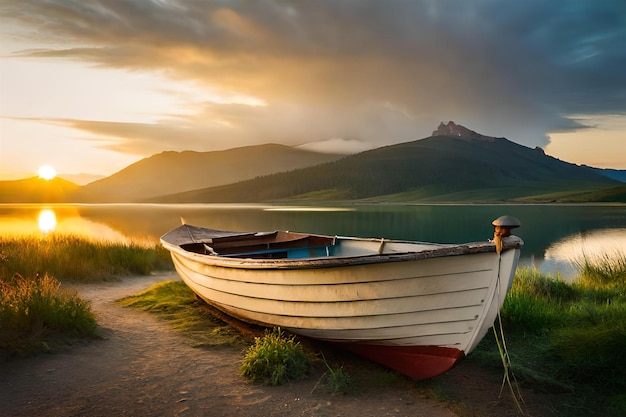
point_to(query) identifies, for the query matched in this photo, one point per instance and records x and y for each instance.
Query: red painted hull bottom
(417, 362)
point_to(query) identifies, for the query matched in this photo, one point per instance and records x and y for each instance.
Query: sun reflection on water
(59, 221)
(47, 220)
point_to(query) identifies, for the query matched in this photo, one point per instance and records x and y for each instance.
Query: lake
(554, 235)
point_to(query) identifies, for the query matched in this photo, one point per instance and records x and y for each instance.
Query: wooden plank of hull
(348, 308)
(453, 334)
(346, 291)
(344, 325)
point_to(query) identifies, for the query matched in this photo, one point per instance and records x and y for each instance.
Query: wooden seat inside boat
(282, 245)
(276, 244)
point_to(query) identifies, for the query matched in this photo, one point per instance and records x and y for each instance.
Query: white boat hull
(385, 300)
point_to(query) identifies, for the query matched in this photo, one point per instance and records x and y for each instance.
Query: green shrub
(275, 359)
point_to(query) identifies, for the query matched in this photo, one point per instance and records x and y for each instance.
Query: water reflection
(33, 220)
(47, 220)
(599, 245)
(589, 245)
(553, 235)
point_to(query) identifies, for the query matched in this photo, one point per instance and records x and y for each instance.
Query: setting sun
(47, 172)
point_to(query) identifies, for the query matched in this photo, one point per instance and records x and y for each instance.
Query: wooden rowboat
(413, 306)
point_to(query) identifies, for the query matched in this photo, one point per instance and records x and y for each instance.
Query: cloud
(337, 146)
(378, 72)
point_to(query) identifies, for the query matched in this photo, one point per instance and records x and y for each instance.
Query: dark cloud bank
(375, 71)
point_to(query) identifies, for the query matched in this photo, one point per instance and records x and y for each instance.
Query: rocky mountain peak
(452, 129)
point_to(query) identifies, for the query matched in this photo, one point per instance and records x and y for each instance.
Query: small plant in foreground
(275, 359)
(339, 380)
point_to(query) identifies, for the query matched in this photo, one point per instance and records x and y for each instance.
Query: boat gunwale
(510, 242)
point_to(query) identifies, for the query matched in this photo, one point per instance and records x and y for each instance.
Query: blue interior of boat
(290, 253)
(339, 247)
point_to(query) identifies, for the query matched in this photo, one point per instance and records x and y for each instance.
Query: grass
(275, 359)
(36, 313)
(602, 271)
(568, 338)
(176, 303)
(338, 379)
(76, 259)
(586, 195)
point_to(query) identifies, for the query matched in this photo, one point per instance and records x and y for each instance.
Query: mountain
(616, 174)
(452, 129)
(455, 164)
(37, 190)
(173, 172)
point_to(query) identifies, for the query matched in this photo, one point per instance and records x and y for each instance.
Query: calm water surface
(555, 235)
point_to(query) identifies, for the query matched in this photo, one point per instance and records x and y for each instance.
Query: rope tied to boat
(508, 378)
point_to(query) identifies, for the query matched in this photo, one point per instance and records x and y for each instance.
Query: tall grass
(535, 301)
(73, 258)
(34, 312)
(602, 271)
(570, 336)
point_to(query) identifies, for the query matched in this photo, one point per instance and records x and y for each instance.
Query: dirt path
(143, 368)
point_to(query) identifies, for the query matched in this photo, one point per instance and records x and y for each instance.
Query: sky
(92, 86)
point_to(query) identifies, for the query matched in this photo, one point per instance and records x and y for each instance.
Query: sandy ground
(143, 368)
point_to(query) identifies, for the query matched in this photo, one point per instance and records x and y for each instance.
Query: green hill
(438, 168)
(604, 195)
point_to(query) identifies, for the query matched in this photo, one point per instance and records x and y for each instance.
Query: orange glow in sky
(603, 146)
